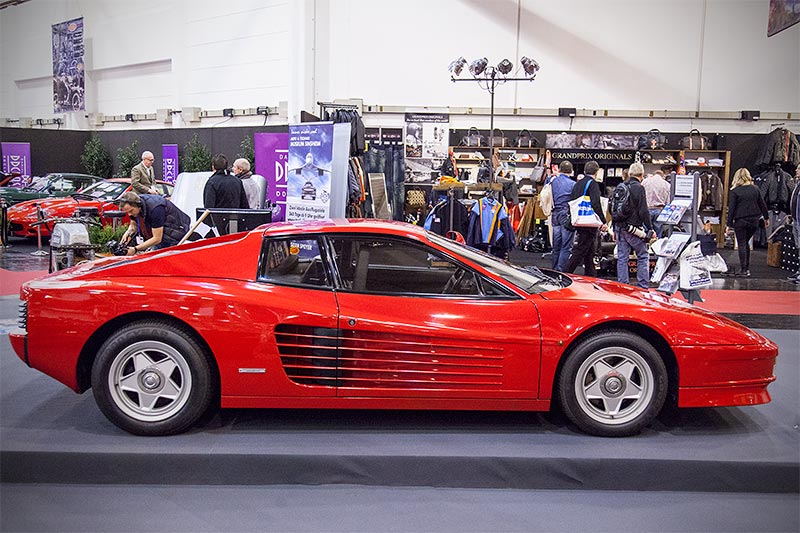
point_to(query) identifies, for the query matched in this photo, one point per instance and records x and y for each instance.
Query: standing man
(632, 226)
(143, 178)
(223, 191)
(559, 219)
(584, 249)
(657, 191)
(794, 212)
(241, 169)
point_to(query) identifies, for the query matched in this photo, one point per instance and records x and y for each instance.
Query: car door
(416, 323)
(296, 298)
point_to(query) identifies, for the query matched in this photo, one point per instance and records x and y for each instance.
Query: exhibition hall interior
(351, 265)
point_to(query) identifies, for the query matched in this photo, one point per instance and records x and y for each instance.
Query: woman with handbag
(746, 207)
(584, 249)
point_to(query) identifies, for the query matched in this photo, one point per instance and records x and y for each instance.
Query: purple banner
(17, 158)
(272, 156)
(68, 66)
(169, 157)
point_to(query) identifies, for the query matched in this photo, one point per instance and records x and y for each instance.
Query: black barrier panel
(235, 220)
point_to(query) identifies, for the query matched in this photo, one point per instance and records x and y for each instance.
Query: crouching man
(159, 222)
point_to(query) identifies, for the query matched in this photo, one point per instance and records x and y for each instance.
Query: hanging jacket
(711, 191)
(489, 225)
(781, 146)
(438, 220)
(775, 187)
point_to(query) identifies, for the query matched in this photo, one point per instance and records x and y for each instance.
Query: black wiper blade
(536, 271)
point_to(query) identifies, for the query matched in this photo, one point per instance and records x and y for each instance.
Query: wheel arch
(96, 340)
(656, 340)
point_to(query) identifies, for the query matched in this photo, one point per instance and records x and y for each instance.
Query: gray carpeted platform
(48, 434)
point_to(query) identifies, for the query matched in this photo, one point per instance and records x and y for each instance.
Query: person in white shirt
(657, 191)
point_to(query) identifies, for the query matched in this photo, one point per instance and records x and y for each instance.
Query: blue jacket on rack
(489, 226)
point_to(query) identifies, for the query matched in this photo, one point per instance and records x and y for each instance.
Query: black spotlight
(505, 66)
(530, 66)
(477, 67)
(457, 65)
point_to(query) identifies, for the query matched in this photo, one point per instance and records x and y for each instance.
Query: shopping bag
(546, 199)
(694, 268)
(581, 212)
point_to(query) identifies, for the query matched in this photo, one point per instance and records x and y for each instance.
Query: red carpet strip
(751, 302)
(11, 281)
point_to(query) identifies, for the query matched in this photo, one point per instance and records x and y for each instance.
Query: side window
(290, 261)
(389, 266)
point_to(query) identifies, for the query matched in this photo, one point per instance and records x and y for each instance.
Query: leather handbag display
(473, 138)
(525, 140)
(415, 198)
(695, 141)
(499, 139)
(537, 172)
(652, 140)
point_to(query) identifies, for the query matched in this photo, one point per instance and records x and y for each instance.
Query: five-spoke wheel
(151, 378)
(612, 384)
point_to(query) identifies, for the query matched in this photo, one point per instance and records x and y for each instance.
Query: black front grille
(22, 315)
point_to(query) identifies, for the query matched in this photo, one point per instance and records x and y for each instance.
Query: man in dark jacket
(159, 222)
(635, 231)
(584, 249)
(222, 190)
(794, 212)
(563, 234)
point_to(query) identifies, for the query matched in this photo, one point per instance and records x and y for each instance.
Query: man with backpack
(633, 227)
(563, 233)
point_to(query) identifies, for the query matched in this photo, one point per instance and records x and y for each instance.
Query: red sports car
(374, 315)
(100, 195)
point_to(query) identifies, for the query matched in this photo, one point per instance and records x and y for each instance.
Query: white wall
(150, 54)
(679, 55)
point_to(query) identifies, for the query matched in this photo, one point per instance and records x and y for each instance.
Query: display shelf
(723, 172)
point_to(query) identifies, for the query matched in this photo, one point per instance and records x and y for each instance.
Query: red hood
(673, 317)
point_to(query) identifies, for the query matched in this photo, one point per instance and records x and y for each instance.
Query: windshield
(39, 183)
(105, 190)
(531, 279)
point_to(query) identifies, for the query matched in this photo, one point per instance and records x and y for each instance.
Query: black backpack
(620, 204)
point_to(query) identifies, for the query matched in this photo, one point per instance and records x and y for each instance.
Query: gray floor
(40, 415)
(370, 509)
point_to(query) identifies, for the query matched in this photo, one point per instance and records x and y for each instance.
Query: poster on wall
(169, 157)
(272, 158)
(782, 15)
(427, 135)
(17, 159)
(308, 178)
(68, 66)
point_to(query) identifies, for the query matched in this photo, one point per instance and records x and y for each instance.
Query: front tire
(151, 378)
(613, 384)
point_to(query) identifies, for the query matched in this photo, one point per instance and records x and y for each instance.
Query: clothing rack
(331, 105)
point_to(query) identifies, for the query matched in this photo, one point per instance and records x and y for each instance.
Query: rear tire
(612, 384)
(152, 378)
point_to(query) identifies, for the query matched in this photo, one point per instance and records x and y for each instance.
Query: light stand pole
(488, 78)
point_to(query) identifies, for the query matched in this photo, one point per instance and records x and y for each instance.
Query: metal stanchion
(4, 224)
(40, 217)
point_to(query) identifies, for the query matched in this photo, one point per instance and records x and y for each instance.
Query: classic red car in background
(100, 195)
(374, 315)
